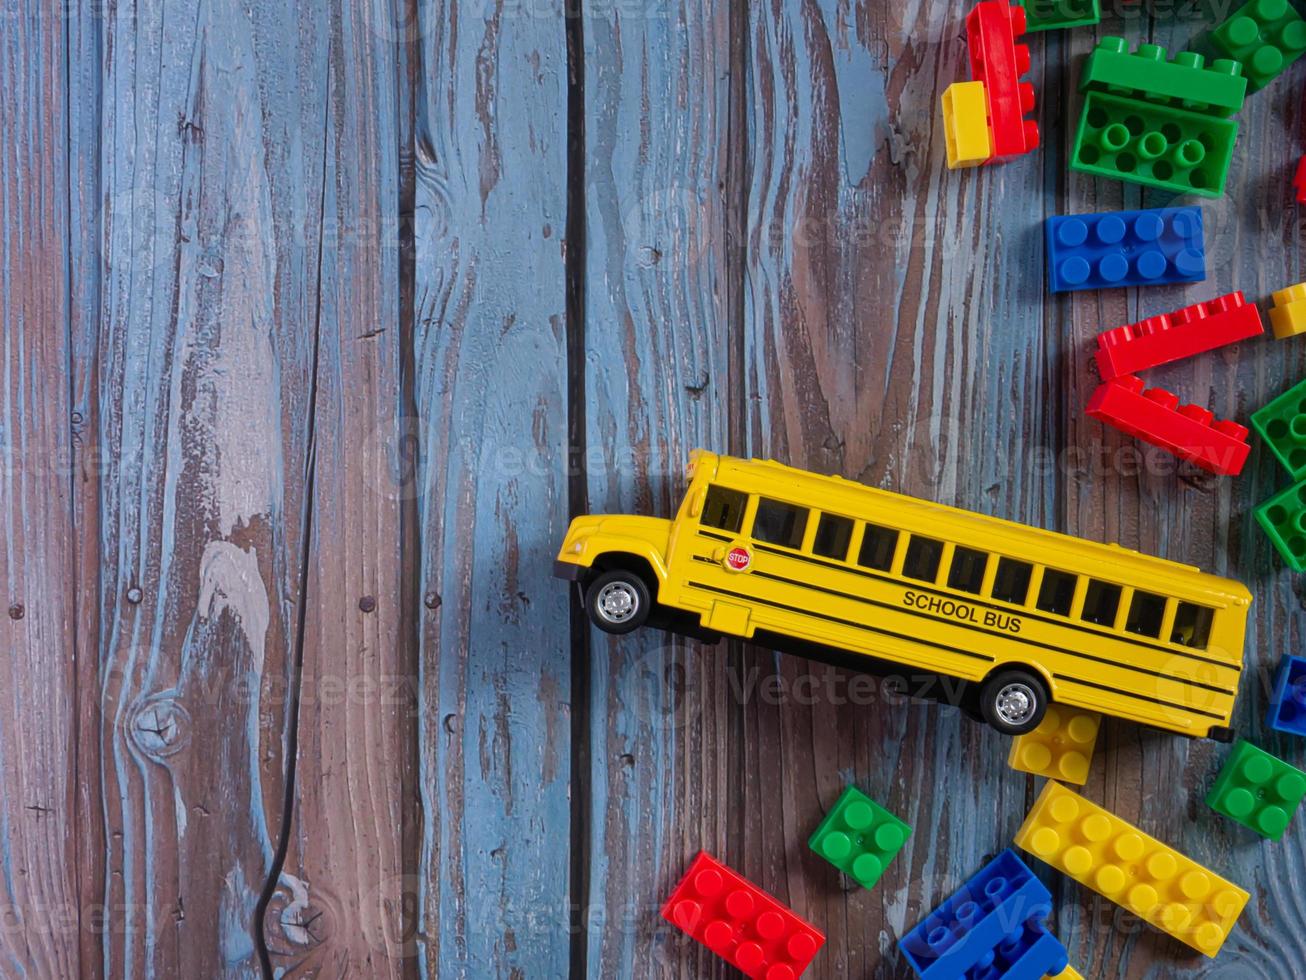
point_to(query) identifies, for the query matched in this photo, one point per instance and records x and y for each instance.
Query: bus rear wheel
(618, 601)
(1014, 701)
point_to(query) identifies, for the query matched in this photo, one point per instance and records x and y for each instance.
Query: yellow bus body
(1169, 657)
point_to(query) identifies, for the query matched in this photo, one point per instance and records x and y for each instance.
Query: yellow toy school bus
(1028, 616)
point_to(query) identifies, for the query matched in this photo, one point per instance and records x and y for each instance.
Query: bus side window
(878, 547)
(1192, 626)
(1057, 592)
(923, 557)
(724, 509)
(967, 571)
(833, 535)
(1145, 615)
(778, 523)
(1101, 603)
(1012, 581)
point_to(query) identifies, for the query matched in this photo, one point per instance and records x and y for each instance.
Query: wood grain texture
(659, 329)
(490, 363)
(210, 149)
(276, 491)
(39, 914)
(342, 902)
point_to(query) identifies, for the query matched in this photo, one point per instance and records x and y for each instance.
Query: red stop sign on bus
(738, 559)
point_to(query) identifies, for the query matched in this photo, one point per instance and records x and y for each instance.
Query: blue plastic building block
(1025, 955)
(992, 911)
(1125, 248)
(1288, 702)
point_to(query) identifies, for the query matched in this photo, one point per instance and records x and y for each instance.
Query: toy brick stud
(1060, 748)
(1288, 316)
(1288, 702)
(859, 837)
(1258, 790)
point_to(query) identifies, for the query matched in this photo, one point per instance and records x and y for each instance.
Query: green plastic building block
(1186, 82)
(1265, 36)
(1157, 145)
(1049, 15)
(1283, 519)
(859, 837)
(1282, 424)
(1258, 790)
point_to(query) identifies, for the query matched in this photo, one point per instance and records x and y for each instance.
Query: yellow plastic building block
(1060, 748)
(1137, 872)
(1069, 973)
(1288, 317)
(966, 125)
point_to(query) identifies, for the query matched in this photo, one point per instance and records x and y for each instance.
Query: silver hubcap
(1015, 704)
(618, 602)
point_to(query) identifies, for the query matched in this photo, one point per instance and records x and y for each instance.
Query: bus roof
(814, 490)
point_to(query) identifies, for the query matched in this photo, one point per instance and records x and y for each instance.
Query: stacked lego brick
(1160, 123)
(984, 120)
(1155, 416)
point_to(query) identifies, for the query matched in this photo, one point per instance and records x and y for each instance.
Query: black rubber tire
(1032, 686)
(635, 590)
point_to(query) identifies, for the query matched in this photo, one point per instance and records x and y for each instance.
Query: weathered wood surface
(490, 360)
(343, 331)
(39, 845)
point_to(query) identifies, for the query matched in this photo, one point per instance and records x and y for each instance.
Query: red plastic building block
(739, 922)
(1155, 416)
(998, 61)
(1173, 336)
(1299, 182)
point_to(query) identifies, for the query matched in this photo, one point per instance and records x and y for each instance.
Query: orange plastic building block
(1138, 872)
(739, 922)
(1060, 748)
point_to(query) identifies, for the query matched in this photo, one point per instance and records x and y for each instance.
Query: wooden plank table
(320, 324)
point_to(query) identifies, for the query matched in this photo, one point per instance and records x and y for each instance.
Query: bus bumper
(568, 570)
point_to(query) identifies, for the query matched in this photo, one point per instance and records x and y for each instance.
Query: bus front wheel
(1014, 701)
(618, 601)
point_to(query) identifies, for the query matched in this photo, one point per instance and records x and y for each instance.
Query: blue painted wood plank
(39, 906)
(210, 183)
(491, 373)
(658, 337)
(342, 901)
